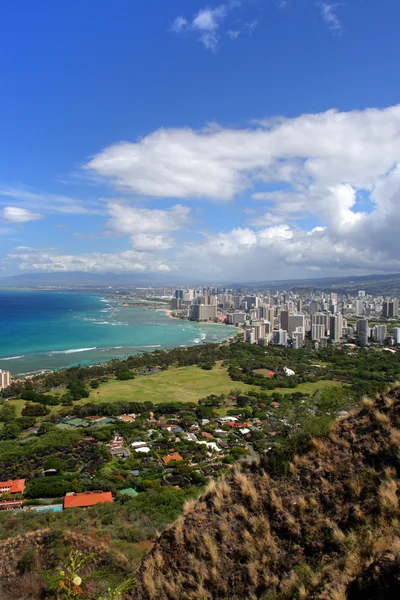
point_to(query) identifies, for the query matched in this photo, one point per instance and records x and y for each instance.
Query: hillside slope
(23, 558)
(328, 531)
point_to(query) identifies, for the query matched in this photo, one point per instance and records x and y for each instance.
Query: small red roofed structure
(86, 499)
(275, 404)
(270, 374)
(207, 435)
(15, 486)
(172, 456)
(10, 504)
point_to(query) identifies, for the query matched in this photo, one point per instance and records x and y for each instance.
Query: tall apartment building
(396, 335)
(5, 379)
(313, 307)
(379, 333)
(298, 337)
(363, 331)
(295, 321)
(317, 332)
(390, 309)
(236, 318)
(203, 312)
(249, 335)
(280, 337)
(285, 320)
(335, 328)
(359, 308)
(259, 329)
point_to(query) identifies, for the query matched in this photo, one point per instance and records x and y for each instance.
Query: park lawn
(183, 384)
(308, 388)
(19, 405)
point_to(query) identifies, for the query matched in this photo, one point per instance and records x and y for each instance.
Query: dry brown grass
(381, 418)
(338, 509)
(388, 499)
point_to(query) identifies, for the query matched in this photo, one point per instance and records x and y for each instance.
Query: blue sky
(242, 140)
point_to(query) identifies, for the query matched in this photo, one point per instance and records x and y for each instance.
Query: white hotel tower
(5, 379)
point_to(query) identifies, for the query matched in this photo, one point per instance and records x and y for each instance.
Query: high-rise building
(359, 308)
(280, 337)
(363, 331)
(294, 321)
(203, 312)
(236, 318)
(285, 320)
(396, 335)
(313, 307)
(390, 309)
(5, 379)
(259, 329)
(249, 335)
(317, 332)
(298, 337)
(379, 333)
(335, 328)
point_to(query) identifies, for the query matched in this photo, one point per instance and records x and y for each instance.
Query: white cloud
(149, 228)
(14, 214)
(320, 162)
(266, 220)
(329, 15)
(207, 23)
(319, 167)
(50, 260)
(179, 24)
(50, 203)
(320, 149)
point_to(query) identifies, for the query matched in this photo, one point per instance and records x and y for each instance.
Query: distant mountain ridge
(81, 280)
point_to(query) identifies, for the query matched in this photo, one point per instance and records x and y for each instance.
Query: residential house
(172, 456)
(86, 499)
(15, 486)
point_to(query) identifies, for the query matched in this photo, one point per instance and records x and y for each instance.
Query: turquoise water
(50, 330)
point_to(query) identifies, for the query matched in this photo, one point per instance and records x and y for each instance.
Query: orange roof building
(16, 486)
(172, 456)
(86, 499)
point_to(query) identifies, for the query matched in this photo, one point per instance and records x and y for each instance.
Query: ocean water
(50, 330)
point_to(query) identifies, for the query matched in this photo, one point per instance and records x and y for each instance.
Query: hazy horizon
(229, 141)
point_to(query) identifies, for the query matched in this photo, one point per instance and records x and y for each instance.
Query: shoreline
(168, 312)
(25, 361)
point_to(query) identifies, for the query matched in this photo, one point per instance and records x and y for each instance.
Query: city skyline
(229, 141)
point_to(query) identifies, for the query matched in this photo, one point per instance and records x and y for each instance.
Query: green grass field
(184, 384)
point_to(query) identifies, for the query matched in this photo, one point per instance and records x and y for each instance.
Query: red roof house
(172, 456)
(16, 486)
(10, 504)
(85, 499)
(206, 434)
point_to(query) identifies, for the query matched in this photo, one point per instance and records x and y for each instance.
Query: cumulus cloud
(218, 163)
(319, 166)
(306, 178)
(15, 214)
(51, 260)
(206, 24)
(148, 229)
